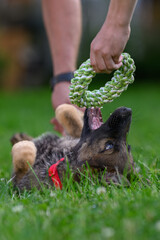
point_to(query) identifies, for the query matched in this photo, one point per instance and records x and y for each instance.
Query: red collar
(53, 173)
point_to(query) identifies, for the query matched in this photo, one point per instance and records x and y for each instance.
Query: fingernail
(120, 58)
(118, 65)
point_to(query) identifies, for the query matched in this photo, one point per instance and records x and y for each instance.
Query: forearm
(107, 46)
(120, 12)
(63, 25)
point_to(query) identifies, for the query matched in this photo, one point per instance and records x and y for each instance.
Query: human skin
(107, 46)
(63, 25)
(63, 22)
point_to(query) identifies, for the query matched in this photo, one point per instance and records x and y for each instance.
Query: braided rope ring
(82, 97)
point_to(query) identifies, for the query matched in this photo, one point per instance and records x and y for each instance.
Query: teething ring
(82, 97)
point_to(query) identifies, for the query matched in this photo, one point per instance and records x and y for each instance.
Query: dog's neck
(70, 163)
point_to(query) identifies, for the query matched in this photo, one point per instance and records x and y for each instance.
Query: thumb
(118, 65)
(118, 59)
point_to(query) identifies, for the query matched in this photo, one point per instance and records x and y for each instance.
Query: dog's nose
(124, 111)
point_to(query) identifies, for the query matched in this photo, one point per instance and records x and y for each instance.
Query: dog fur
(102, 148)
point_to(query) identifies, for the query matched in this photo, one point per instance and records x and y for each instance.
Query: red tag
(53, 173)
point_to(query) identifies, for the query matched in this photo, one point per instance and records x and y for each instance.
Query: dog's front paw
(23, 156)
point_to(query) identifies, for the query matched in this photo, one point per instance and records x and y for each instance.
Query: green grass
(78, 211)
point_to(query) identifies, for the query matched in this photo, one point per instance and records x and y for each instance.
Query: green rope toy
(80, 96)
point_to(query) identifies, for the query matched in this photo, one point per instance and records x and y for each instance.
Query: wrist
(61, 79)
(120, 12)
(112, 28)
(61, 85)
(117, 21)
(116, 25)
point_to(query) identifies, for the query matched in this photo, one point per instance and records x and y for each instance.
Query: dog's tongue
(95, 118)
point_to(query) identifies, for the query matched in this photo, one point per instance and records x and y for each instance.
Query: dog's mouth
(119, 119)
(94, 118)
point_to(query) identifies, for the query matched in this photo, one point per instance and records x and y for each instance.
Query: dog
(101, 146)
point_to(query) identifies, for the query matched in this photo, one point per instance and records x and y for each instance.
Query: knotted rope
(82, 97)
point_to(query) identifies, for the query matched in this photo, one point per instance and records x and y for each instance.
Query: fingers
(118, 59)
(111, 65)
(105, 63)
(99, 65)
(57, 126)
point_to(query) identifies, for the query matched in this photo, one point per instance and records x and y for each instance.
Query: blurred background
(25, 60)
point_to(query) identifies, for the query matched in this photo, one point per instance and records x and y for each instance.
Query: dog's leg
(23, 156)
(116, 178)
(71, 119)
(19, 137)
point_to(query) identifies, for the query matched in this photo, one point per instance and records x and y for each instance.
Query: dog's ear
(86, 128)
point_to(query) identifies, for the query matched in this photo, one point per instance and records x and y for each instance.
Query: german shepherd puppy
(101, 145)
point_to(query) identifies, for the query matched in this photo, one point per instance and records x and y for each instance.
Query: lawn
(81, 211)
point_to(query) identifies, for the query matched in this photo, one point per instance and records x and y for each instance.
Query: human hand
(107, 46)
(60, 96)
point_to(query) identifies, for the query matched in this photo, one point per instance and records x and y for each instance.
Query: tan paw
(70, 118)
(23, 155)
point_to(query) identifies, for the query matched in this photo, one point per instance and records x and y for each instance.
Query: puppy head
(103, 145)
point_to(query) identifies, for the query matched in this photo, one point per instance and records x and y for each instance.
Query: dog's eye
(109, 145)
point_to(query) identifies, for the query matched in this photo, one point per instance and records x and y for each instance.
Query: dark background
(25, 59)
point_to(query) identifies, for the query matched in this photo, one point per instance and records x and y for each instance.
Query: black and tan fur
(103, 148)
